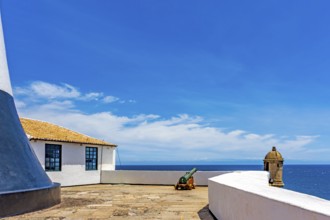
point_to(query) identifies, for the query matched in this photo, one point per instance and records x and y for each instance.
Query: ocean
(309, 179)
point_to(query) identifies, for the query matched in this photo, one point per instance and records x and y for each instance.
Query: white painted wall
(247, 196)
(4, 73)
(108, 158)
(154, 177)
(73, 163)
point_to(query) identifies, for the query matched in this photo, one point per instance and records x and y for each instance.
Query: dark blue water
(309, 179)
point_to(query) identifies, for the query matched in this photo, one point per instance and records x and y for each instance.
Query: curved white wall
(247, 196)
(4, 73)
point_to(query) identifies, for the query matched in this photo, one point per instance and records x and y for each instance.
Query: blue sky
(197, 81)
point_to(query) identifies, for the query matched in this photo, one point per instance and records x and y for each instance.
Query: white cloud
(151, 137)
(128, 101)
(39, 90)
(92, 96)
(56, 106)
(47, 90)
(19, 104)
(110, 99)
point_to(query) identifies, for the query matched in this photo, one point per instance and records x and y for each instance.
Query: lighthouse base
(19, 202)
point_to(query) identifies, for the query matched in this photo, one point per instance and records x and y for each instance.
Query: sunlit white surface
(247, 195)
(4, 73)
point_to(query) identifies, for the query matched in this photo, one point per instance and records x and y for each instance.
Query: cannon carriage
(186, 181)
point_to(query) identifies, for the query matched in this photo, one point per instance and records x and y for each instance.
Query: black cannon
(186, 181)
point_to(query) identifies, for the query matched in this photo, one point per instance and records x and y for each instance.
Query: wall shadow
(205, 214)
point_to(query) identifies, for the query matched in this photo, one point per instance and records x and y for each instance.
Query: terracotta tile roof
(40, 130)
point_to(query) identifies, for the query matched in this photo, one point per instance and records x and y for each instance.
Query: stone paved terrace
(106, 201)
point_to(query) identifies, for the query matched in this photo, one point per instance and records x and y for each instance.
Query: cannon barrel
(184, 179)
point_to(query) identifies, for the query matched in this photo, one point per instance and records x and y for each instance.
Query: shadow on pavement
(205, 214)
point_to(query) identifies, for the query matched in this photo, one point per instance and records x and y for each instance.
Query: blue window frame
(91, 158)
(53, 157)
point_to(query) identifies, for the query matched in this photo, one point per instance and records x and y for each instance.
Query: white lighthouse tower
(24, 185)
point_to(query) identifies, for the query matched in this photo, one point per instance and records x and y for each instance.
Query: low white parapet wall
(154, 177)
(247, 196)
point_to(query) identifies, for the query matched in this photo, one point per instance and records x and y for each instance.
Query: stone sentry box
(273, 163)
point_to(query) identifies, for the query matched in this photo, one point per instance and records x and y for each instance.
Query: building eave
(72, 142)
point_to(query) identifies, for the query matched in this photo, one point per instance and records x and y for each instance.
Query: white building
(68, 157)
